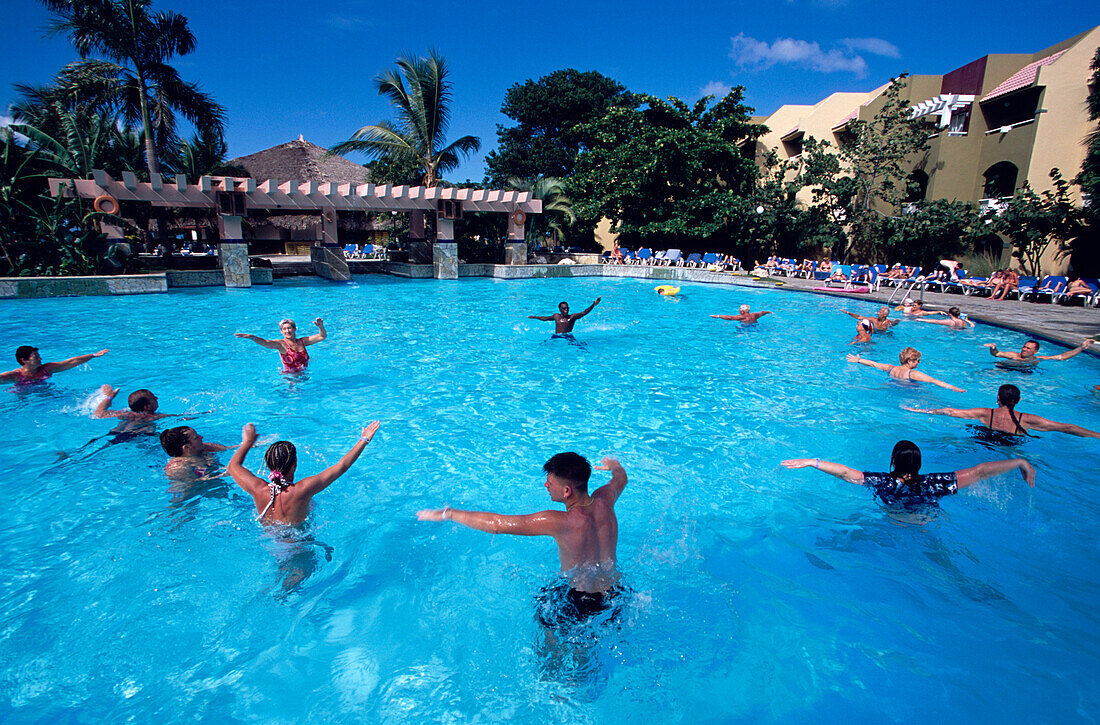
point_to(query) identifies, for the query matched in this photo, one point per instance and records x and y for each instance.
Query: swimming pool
(756, 593)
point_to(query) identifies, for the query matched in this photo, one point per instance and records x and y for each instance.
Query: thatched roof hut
(302, 161)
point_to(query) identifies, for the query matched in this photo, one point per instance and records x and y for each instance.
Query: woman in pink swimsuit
(292, 349)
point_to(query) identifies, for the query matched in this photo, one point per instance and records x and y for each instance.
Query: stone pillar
(233, 252)
(445, 260)
(328, 261)
(515, 247)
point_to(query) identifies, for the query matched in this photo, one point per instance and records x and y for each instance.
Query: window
(960, 121)
(1012, 109)
(1000, 180)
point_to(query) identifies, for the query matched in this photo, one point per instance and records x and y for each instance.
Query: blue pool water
(754, 593)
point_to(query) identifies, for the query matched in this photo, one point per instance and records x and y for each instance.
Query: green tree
(80, 144)
(667, 173)
(135, 45)
(551, 116)
(878, 155)
(1086, 248)
(931, 231)
(557, 209)
(1033, 222)
(204, 155)
(421, 98)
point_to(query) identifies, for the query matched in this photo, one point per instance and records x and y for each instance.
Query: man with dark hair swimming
(587, 532)
(32, 369)
(190, 454)
(563, 321)
(1028, 356)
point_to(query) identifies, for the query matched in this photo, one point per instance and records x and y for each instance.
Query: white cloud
(875, 46)
(715, 88)
(346, 22)
(759, 55)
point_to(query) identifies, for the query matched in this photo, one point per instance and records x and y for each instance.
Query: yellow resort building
(1001, 120)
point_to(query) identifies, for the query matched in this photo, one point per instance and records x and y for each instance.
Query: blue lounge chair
(629, 257)
(673, 258)
(845, 272)
(1086, 299)
(694, 260)
(710, 259)
(659, 257)
(351, 250)
(645, 255)
(1052, 287)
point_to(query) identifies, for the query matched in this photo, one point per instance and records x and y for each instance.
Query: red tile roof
(1023, 78)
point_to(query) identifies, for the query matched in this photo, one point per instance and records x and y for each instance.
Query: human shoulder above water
(31, 368)
(562, 319)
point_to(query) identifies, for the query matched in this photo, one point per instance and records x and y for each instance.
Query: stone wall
(212, 277)
(130, 284)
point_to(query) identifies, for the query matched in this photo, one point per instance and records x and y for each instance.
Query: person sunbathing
(905, 484)
(292, 349)
(1005, 419)
(909, 358)
(954, 320)
(1077, 286)
(897, 272)
(1009, 282)
(31, 368)
(744, 316)
(281, 499)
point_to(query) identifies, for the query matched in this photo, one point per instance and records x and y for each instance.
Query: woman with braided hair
(905, 484)
(281, 498)
(1005, 419)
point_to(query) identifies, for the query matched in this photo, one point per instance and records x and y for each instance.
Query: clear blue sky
(288, 68)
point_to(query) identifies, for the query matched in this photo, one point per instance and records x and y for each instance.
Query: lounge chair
(710, 259)
(1024, 287)
(659, 258)
(673, 258)
(694, 260)
(1053, 287)
(1086, 299)
(629, 257)
(645, 255)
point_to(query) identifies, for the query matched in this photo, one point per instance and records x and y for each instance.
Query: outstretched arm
(56, 367)
(1069, 353)
(539, 317)
(934, 322)
(215, 447)
(102, 409)
(850, 475)
(727, 317)
(10, 375)
(1037, 423)
(544, 523)
(317, 336)
(917, 375)
(236, 470)
(592, 306)
(868, 363)
(972, 413)
(995, 352)
(319, 482)
(273, 344)
(982, 471)
(613, 488)
(852, 314)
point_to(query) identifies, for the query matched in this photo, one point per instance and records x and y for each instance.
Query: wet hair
(908, 354)
(174, 439)
(954, 311)
(140, 400)
(905, 462)
(563, 302)
(1008, 395)
(23, 352)
(287, 321)
(1033, 342)
(572, 467)
(281, 458)
(917, 303)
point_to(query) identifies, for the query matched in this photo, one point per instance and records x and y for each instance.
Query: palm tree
(557, 208)
(421, 96)
(203, 155)
(136, 45)
(78, 143)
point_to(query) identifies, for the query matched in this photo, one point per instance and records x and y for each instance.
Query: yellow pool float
(667, 290)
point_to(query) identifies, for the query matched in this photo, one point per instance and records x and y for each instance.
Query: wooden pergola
(231, 198)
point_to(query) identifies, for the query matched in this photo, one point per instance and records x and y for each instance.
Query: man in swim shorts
(1028, 356)
(32, 369)
(563, 321)
(587, 532)
(744, 316)
(190, 454)
(882, 323)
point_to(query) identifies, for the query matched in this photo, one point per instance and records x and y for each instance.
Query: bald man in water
(882, 323)
(744, 316)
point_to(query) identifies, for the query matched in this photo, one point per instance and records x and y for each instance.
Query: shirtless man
(882, 323)
(954, 320)
(190, 455)
(587, 531)
(749, 318)
(909, 358)
(563, 321)
(915, 308)
(1027, 355)
(32, 369)
(142, 403)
